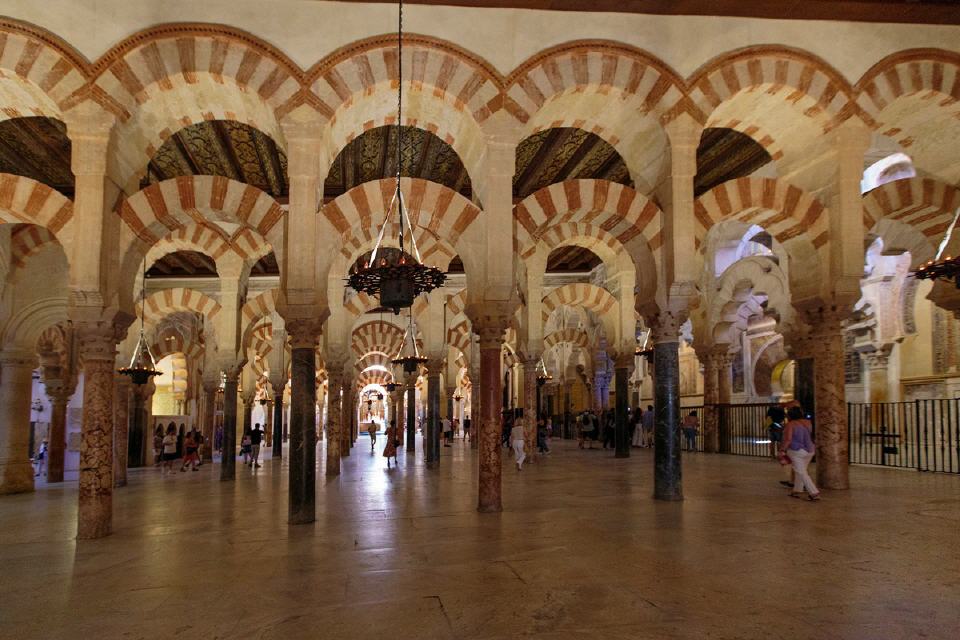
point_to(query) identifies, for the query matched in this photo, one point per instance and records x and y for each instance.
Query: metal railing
(743, 429)
(922, 434)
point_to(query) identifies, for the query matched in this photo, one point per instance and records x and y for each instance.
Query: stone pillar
(59, 397)
(334, 418)
(228, 467)
(209, 417)
(247, 398)
(530, 402)
(475, 408)
(667, 479)
(804, 390)
(623, 366)
(277, 409)
(723, 361)
(878, 362)
(16, 472)
(346, 417)
(304, 336)
(431, 445)
(121, 426)
(411, 380)
(491, 341)
(98, 350)
(711, 397)
(832, 439)
(268, 423)
(398, 413)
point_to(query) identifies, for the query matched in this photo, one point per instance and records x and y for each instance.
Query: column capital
(826, 320)
(434, 367)
(878, 358)
(18, 358)
(665, 326)
(98, 340)
(303, 333)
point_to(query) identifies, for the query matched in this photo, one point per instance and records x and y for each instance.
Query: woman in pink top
(799, 448)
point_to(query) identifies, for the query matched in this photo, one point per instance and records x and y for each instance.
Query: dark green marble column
(622, 429)
(301, 506)
(228, 466)
(667, 479)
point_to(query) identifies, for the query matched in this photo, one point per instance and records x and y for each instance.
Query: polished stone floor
(580, 551)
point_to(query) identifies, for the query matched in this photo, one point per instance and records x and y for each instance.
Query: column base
(16, 477)
(95, 518)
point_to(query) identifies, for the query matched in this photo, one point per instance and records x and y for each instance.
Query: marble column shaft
(667, 479)
(432, 439)
(411, 445)
(530, 408)
(16, 472)
(831, 412)
(141, 435)
(710, 399)
(475, 409)
(98, 348)
(121, 429)
(247, 413)
(57, 447)
(346, 416)
(228, 467)
(209, 416)
(277, 409)
(621, 404)
(723, 362)
(489, 494)
(399, 414)
(268, 425)
(303, 421)
(334, 418)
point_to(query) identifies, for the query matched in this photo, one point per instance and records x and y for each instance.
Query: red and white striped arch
(172, 76)
(23, 200)
(28, 240)
(373, 376)
(459, 338)
(911, 214)
(260, 306)
(193, 351)
(39, 74)
(576, 337)
(160, 304)
(376, 336)
(578, 294)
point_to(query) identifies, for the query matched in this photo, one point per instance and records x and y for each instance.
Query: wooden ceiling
(373, 155)
(37, 148)
(725, 154)
(193, 264)
(564, 153)
(222, 148)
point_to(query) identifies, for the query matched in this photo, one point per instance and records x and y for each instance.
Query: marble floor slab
(581, 550)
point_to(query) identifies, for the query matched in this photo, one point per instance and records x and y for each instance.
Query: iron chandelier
(142, 365)
(947, 269)
(397, 278)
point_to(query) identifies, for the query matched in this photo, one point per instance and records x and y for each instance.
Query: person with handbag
(798, 446)
(390, 450)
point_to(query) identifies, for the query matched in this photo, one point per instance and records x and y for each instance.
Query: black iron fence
(922, 434)
(742, 429)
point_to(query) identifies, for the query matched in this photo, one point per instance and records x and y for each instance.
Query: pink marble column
(530, 407)
(334, 419)
(16, 472)
(346, 416)
(121, 429)
(491, 340)
(98, 346)
(475, 408)
(831, 407)
(711, 396)
(59, 395)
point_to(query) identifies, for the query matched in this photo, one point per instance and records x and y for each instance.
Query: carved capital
(665, 325)
(17, 358)
(98, 340)
(303, 333)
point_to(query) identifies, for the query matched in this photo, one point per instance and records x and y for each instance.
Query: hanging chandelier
(543, 376)
(642, 349)
(142, 365)
(396, 277)
(947, 269)
(409, 355)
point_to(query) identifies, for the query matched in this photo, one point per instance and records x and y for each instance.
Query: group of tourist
(170, 445)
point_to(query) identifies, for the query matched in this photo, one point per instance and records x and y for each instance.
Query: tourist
(256, 439)
(447, 431)
(542, 436)
(169, 448)
(636, 428)
(158, 446)
(609, 429)
(799, 448)
(246, 446)
(466, 427)
(218, 440)
(776, 416)
(201, 442)
(690, 425)
(372, 432)
(587, 428)
(190, 451)
(647, 422)
(456, 428)
(516, 439)
(41, 457)
(390, 449)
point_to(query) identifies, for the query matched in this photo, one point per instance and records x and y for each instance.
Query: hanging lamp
(947, 269)
(396, 277)
(409, 355)
(143, 366)
(543, 376)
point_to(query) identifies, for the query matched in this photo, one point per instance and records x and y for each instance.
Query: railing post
(916, 404)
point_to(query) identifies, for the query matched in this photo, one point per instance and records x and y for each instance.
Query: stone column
(247, 398)
(530, 402)
(431, 445)
(491, 341)
(121, 426)
(334, 418)
(304, 336)
(146, 400)
(667, 479)
(59, 397)
(16, 472)
(723, 361)
(623, 366)
(209, 416)
(346, 417)
(711, 396)
(832, 439)
(98, 350)
(475, 408)
(277, 409)
(399, 414)
(228, 467)
(411, 380)
(268, 424)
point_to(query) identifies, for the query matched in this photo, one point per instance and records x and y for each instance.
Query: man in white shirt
(447, 431)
